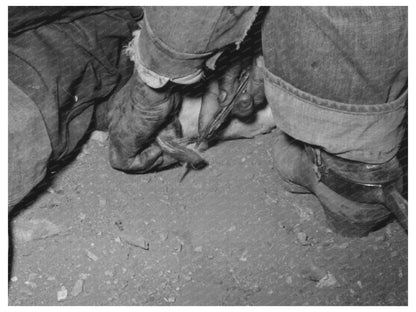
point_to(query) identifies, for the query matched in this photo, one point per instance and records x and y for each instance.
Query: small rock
(243, 257)
(102, 202)
(170, 299)
(91, 255)
(82, 216)
(77, 289)
(163, 236)
(289, 280)
(62, 294)
(108, 273)
(31, 284)
(389, 232)
(232, 228)
(198, 249)
(314, 273)
(304, 213)
(343, 245)
(360, 284)
(327, 281)
(394, 253)
(135, 241)
(400, 272)
(14, 279)
(186, 278)
(51, 278)
(84, 276)
(117, 239)
(380, 238)
(303, 239)
(99, 136)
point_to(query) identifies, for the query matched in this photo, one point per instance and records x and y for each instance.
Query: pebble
(327, 281)
(303, 239)
(82, 216)
(243, 257)
(198, 249)
(343, 245)
(163, 236)
(360, 284)
(77, 289)
(91, 255)
(394, 253)
(232, 228)
(186, 278)
(102, 202)
(171, 299)
(14, 279)
(135, 241)
(314, 273)
(62, 294)
(304, 213)
(400, 272)
(380, 238)
(289, 280)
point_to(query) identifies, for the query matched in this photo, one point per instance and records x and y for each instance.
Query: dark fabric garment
(23, 18)
(345, 54)
(29, 145)
(66, 68)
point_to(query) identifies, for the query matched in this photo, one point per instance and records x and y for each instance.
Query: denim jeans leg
(336, 77)
(175, 42)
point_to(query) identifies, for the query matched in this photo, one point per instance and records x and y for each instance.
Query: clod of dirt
(35, 229)
(135, 241)
(62, 294)
(327, 281)
(77, 289)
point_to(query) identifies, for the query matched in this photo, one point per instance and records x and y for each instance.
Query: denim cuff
(170, 47)
(145, 55)
(369, 133)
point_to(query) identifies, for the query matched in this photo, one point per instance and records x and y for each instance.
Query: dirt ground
(226, 235)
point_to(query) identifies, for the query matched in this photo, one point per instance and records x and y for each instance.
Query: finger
(228, 83)
(209, 106)
(148, 159)
(255, 85)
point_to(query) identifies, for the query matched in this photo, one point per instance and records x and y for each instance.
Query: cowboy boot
(350, 192)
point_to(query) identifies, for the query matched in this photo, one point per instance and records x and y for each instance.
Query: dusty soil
(227, 235)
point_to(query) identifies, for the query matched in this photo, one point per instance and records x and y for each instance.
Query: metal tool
(224, 111)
